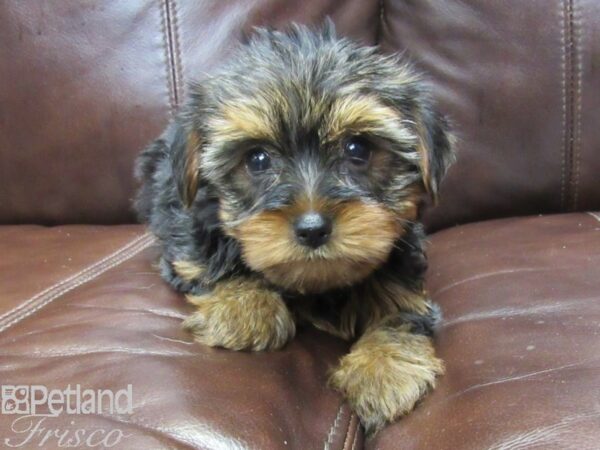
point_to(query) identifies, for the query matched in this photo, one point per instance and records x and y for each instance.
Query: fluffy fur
(227, 233)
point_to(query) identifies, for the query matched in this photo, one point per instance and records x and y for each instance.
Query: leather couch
(514, 247)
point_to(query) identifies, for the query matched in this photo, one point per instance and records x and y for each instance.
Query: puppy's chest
(326, 311)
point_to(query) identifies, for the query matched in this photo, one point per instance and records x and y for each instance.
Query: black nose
(312, 229)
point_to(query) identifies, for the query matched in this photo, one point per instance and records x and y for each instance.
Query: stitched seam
(73, 277)
(43, 301)
(172, 52)
(164, 13)
(120, 256)
(355, 440)
(333, 428)
(594, 215)
(577, 65)
(85, 275)
(563, 95)
(563, 85)
(379, 28)
(178, 64)
(348, 434)
(569, 106)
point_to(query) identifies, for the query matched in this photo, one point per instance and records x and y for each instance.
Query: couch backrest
(84, 86)
(521, 81)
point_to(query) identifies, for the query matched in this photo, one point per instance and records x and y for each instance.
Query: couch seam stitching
(84, 276)
(348, 432)
(345, 444)
(167, 46)
(177, 57)
(333, 428)
(569, 105)
(172, 63)
(70, 278)
(563, 83)
(577, 63)
(356, 431)
(116, 259)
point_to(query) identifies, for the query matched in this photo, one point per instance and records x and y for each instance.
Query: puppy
(288, 190)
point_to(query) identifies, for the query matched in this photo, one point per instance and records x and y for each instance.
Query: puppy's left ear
(436, 148)
(184, 160)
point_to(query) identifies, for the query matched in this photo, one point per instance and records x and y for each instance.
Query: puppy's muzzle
(313, 229)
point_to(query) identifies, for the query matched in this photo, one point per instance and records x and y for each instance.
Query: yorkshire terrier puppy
(288, 190)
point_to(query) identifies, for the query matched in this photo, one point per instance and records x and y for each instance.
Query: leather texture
(519, 79)
(112, 321)
(82, 89)
(520, 337)
(521, 89)
(521, 341)
(85, 85)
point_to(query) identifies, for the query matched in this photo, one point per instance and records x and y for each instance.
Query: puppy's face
(319, 151)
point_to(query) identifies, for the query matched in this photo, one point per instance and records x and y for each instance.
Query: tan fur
(245, 120)
(241, 314)
(188, 270)
(386, 372)
(370, 302)
(408, 207)
(318, 275)
(363, 236)
(423, 156)
(191, 167)
(351, 114)
(225, 217)
(252, 117)
(376, 299)
(365, 114)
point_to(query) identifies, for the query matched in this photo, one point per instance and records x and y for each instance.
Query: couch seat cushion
(84, 305)
(521, 338)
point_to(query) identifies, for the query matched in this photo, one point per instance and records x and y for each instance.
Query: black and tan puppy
(288, 191)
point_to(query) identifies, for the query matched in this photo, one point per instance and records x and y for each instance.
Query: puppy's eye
(357, 151)
(258, 160)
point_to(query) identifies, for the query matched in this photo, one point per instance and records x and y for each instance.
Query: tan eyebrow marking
(366, 114)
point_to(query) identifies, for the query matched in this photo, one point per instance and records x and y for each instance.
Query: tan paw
(241, 314)
(385, 374)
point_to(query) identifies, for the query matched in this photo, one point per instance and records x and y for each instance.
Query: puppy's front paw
(241, 314)
(385, 374)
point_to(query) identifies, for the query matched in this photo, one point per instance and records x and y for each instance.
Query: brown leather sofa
(514, 252)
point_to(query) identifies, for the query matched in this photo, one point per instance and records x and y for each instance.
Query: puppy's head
(320, 152)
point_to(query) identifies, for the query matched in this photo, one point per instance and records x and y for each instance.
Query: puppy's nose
(313, 229)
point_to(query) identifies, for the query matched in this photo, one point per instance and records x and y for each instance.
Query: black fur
(192, 234)
(281, 61)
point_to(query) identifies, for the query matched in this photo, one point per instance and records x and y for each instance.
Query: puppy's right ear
(436, 144)
(185, 152)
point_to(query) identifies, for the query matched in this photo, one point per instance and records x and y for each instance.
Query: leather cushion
(521, 338)
(112, 321)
